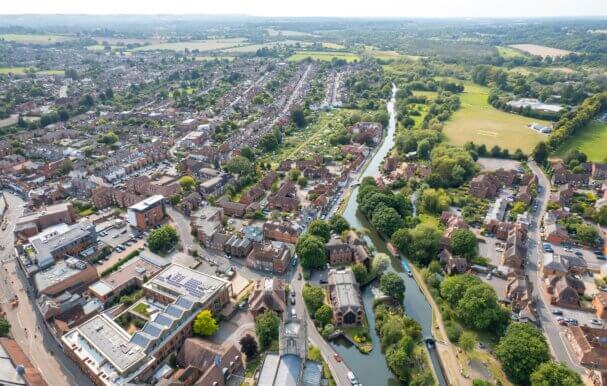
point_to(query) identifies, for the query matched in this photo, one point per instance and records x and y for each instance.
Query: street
(547, 321)
(26, 327)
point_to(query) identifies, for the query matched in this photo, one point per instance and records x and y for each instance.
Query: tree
(540, 153)
(393, 285)
(586, 234)
(302, 181)
(187, 183)
(399, 362)
(248, 345)
(386, 220)
(298, 118)
(380, 263)
(467, 341)
(247, 153)
(241, 166)
(5, 327)
(205, 324)
(555, 374)
(424, 243)
(422, 379)
(481, 382)
(162, 239)
(360, 273)
(464, 243)
(294, 174)
(323, 315)
(434, 201)
(311, 251)
(321, 229)
(266, 328)
(453, 288)
(521, 351)
(339, 224)
(314, 297)
(479, 309)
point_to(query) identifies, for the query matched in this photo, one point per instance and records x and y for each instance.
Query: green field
(591, 140)
(201, 45)
(254, 47)
(508, 52)
(323, 56)
(23, 70)
(35, 39)
(206, 58)
(333, 46)
(477, 121)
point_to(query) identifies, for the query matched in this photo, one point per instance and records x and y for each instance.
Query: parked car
(557, 312)
(352, 378)
(596, 322)
(337, 358)
(579, 254)
(489, 276)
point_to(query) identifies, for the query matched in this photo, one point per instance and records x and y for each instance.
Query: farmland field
(478, 121)
(333, 46)
(385, 55)
(508, 52)
(323, 56)
(591, 140)
(23, 70)
(205, 58)
(254, 47)
(542, 51)
(201, 45)
(279, 32)
(35, 39)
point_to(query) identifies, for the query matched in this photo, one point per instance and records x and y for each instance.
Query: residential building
(281, 231)
(268, 294)
(31, 224)
(274, 257)
(16, 369)
(600, 304)
(147, 213)
(589, 345)
(484, 185)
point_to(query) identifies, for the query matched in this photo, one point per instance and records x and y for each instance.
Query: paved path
(548, 323)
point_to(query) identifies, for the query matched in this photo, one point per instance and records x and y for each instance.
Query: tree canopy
(393, 285)
(205, 324)
(266, 327)
(555, 374)
(162, 239)
(311, 251)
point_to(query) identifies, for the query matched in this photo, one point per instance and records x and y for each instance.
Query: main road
(535, 253)
(26, 325)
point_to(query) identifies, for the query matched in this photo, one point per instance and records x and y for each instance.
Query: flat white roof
(148, 202)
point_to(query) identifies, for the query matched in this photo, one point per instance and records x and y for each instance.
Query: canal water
(371, 369)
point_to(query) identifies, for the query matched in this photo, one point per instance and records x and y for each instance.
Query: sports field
(201, 45)
(478, 121)
(591, 140)
(323, 56)
(35, 39)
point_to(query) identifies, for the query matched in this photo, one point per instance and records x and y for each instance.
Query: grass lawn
(591, 140)
(35, 39)
(478, 121)
(323, 56)
(508, 52)
(333, 46)
(13, 70)
(201, 45)
(381, 54)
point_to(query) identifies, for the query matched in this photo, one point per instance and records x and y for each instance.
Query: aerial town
(195, 201)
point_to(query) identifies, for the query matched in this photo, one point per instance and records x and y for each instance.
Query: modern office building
(147, 213)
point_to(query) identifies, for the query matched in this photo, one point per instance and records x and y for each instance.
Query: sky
(344, 8)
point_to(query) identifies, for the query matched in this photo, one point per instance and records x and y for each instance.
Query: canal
(372, 369)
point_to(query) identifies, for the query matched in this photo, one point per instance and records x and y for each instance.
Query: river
(372, 369)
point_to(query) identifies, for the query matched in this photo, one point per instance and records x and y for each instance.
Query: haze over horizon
(318, 8)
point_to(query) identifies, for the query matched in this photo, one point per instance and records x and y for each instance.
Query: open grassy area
(591, 140)
(508, 52)
(201, 45)
(34, 38)
(383, 55)
(478, 121)
(247, 48)
(205, 58)
(323, 56)
(333, 46)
